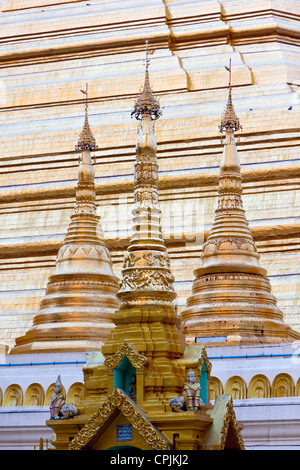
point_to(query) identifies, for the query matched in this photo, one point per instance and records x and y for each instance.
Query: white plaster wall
(270, 423)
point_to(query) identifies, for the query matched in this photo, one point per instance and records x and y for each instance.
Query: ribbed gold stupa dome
(75, 313)
(231, 301)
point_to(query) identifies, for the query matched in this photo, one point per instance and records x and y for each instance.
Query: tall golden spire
(75, 313)
(146, 272)
(231, 302)
(147, 319)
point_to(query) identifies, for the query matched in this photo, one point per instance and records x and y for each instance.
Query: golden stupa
(137, 396)
(75, 313)
(231, 299)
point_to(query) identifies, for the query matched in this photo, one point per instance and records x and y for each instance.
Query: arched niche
(236, 387)
(216, 387)
(13, 396)
(1, 396)
(125, 377)
(50, 392)
(126, 371)
(34, 395)
(259, 387)
(75, 393)
(283, 386)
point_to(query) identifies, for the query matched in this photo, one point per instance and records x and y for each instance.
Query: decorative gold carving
(150, 302)
(230, 202)
(135, 358)
(146, 197)
(93, 282)
(93, 251)
(283, 386)
(230, 418)
(13, 396)
(34, 395)
(147, 258)
(231, 242)
(143, 279)
(119, 400)
(82, 261)
(75, 393)
(204, 359)
(259, 387)
(226, 302)
(236, 387)
(146, 170)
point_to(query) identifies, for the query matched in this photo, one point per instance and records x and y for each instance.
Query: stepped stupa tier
(75, 313)
(231, 301)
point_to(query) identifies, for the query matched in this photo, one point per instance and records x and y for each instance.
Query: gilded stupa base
(74, 315)
(231, 309)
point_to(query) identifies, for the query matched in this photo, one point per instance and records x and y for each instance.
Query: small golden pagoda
(75, 313)
(231, 299)
(145, 393)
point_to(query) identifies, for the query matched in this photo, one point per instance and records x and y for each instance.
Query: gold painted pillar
(231, 301)
(75, 313)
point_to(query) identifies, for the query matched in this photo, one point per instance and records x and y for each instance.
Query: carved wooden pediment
(119, 401)
(204, 359)
(225, 431)
(135, 358)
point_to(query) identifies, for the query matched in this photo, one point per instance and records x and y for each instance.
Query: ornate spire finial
(147, 103)
(229, 120)
(86, 139)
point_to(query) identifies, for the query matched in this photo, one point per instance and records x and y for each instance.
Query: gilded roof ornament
(229, 118)
(147, 102)
(86, 139)
(231, 298)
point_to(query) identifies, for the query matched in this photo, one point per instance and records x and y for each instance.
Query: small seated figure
(132, 388)
(190, 400)
(59, 409)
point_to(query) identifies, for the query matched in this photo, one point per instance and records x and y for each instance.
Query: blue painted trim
(54, 363)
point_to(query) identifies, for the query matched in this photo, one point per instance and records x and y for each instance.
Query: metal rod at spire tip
(147, 54)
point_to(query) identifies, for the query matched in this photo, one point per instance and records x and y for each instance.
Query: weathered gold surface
(75, 313)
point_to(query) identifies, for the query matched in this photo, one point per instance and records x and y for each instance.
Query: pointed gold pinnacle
(86, 139)
(147, 103)
(229, 120)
